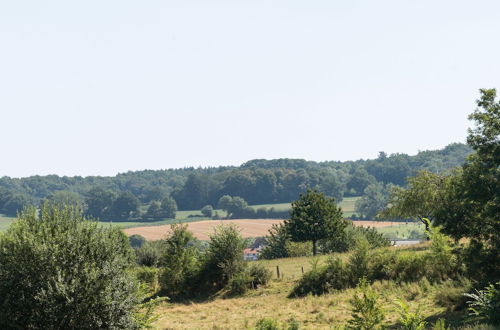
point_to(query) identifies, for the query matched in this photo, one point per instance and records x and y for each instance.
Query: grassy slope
(5, 222)
(312, 312)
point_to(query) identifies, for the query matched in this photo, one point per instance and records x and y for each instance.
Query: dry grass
(249, 227)
(312, 312)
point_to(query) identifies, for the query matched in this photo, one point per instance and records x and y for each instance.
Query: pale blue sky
(101, 87)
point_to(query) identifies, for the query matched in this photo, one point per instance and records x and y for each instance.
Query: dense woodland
(257, 182)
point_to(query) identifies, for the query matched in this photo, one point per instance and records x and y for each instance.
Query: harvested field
(249, 227)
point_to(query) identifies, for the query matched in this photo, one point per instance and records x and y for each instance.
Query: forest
(257, 181)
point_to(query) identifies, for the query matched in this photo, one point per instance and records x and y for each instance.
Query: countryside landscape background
(258, 165)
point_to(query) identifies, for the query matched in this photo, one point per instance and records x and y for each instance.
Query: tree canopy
(313, 217)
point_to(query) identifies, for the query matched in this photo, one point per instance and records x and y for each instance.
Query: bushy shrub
(267, 324)
(223, 259)
(367, 314)
(61, 271)
(147, 276)
(136, 241)
(410, 320)
(181, 263)
(298, 249)
(239, 283)
(484, 305)
(259, 274)
(381, 264)
(150, 254)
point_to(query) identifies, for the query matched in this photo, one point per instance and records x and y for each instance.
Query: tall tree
(314, 217)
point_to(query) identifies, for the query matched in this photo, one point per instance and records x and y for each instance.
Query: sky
(102, 87)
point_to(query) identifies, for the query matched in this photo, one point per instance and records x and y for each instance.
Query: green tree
(181, 264)
(314, 217)
(99, 202)
(224, 257)
(419, 200)
(234, 206)
(60, 271)
(207, 210)
(154, 211)
(63, 198)
(168, 207)
(373, 201)
(125, 206)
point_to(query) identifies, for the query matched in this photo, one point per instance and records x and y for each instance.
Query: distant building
(251, 254)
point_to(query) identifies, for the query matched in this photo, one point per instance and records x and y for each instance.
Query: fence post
(278, 271)
(302, 269)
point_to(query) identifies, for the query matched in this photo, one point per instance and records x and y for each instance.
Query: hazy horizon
(100, 88)
(219, 165)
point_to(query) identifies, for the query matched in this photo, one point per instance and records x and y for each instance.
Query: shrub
(61, 271)
(239, 283)
(485, 304)
(367, 314)
(410, 320)
(150, 254)
(259, 274)
(181, 263)
(147, 276)
(207, 211)
(266, 324)
(136, 241)
(223, 259)
(298, 249)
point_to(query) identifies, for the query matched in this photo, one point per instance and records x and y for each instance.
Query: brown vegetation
(249, 227)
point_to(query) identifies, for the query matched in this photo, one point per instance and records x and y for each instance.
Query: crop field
(249, 227)
(347, 206)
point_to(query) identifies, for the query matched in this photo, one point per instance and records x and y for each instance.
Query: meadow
(438, 300)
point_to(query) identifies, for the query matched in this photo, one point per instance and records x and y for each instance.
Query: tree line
(257, 182)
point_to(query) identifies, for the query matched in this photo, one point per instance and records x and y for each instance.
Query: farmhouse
(251, 254)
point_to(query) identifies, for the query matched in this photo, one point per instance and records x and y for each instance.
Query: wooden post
(278, 271)
(302, 269)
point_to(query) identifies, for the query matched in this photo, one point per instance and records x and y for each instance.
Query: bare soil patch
(249, 227)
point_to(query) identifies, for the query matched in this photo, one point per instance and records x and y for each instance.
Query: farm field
(249, 227)
(311, 312)
(347, 206)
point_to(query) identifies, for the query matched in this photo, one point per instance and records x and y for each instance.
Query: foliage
(259, 274)
(267, 324)
(150, 254)
(314, 217)
(181, 263)
(374, 199)
(410, 320)
(367, 314)
(60, 271)
(437, 264)
(257, 181)
(223, 259)
(485, 304)
(276, 241)
(207, 211)
(136, 241)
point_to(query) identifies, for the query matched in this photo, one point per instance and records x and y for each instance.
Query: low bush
(150, 254)
(484, 305)
(410, 320)
(147, 276)
(437, 264)
(259, 274)
(267, 324)
(367, 314)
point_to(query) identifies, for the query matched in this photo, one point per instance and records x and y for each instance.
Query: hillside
(257, 181)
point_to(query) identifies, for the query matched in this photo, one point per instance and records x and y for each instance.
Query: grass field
(312, 312)
(347, 206)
